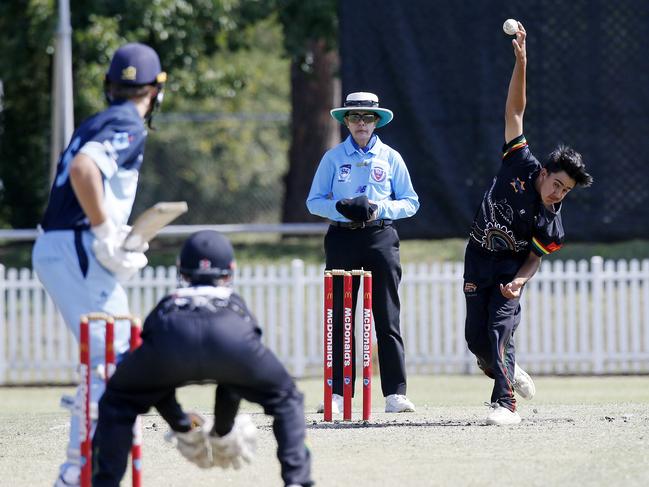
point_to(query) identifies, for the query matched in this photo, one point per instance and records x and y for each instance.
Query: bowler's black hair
(567, 159)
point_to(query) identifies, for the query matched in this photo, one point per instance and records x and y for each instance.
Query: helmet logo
(129, 73)
(204, 264)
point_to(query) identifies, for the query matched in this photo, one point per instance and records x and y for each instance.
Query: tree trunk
(313, 130)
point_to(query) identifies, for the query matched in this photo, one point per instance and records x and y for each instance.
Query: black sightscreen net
(443, 67)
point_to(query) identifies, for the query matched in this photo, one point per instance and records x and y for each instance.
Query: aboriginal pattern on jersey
(492, 228)
(505, 220)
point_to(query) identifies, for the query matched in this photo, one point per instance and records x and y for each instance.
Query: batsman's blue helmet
(135, 64)
(205, 256)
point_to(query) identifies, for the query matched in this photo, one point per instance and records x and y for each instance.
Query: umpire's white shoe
(501, 415)
(336, 404)
(523, 383)
(70, 476)
(398, 403)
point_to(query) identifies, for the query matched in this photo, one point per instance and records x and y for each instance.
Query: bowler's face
(554, 186)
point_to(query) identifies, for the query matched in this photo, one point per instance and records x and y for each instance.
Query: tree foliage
(25, 35)
(223, 57)
(310, 34)
(229, 167)
(305, 21)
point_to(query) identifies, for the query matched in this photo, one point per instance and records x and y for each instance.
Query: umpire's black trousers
(373, 249)
(491, 318)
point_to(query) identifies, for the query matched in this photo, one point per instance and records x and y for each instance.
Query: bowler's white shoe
(398, 403)
(523, 383)
(336, 404)
(501, 415)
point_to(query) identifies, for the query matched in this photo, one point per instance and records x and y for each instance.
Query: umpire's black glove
(357, 209)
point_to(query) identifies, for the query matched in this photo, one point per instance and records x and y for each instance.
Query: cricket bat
(151, 221)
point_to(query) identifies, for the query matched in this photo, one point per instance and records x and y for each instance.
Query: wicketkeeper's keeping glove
(236, 447)
(193, 444)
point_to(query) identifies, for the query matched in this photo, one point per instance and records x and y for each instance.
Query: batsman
(78, 256)
(202, 333)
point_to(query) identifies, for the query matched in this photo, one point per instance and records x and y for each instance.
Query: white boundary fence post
(597, 269)
(298, 318)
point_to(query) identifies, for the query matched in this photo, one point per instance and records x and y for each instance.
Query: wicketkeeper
(202, 333)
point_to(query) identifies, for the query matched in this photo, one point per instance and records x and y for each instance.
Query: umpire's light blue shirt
(346, 171)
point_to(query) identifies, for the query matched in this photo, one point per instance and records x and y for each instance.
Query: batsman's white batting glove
(135, 244)
(110, 254)
(238, 446)
(193, 444)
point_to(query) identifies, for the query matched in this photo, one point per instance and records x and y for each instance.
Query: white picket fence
(578, 318)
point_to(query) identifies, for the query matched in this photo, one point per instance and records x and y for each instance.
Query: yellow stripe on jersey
(545, 249)
(515, 147)
(539, 247)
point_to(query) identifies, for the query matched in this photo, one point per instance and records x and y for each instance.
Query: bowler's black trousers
(199, 345)
(373, 249)
(491, 318)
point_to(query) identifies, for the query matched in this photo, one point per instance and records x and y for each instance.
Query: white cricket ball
(510, 27)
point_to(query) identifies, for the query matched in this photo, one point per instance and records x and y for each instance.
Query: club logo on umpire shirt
(378, 174)
(344, 173)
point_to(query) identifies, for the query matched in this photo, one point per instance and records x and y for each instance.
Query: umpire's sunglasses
(365, 117)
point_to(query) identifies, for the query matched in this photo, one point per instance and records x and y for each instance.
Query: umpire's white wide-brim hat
(367, 102)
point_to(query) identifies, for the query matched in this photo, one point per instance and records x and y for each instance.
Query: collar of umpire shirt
(369, 145)
(351, 146)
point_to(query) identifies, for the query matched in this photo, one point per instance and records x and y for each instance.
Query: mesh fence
(228, 168)
(444, 67)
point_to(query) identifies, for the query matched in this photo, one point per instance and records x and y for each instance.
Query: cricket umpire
(202, 333)
(518, 222)
(362, 185)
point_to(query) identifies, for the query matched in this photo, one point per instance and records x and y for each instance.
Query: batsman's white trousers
(56, 262)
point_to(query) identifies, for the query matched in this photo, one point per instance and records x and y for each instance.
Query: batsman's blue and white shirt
(114, 139)
(347, 171)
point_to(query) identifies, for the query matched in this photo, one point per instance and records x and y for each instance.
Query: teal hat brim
(385, 114)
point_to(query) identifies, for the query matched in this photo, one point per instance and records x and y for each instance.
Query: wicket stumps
(85, 368)
(348, 331)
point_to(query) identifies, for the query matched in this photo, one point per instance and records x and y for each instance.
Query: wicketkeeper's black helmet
(205, 257)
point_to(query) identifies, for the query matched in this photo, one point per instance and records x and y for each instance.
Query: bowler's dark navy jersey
(114, 139)
(512, 217)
